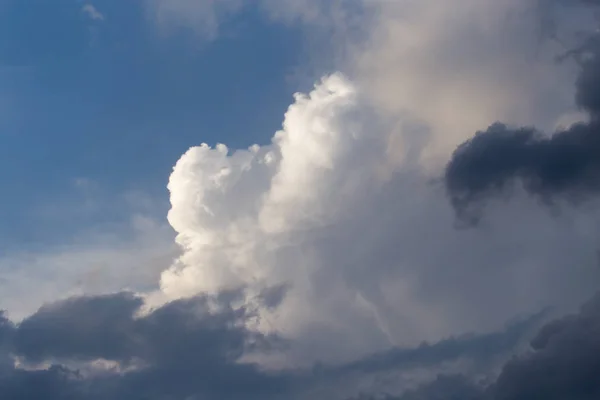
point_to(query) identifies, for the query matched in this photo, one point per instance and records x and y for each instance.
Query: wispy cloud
(91, 11)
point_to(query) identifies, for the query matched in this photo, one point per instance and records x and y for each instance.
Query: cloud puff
(364, 242)
(92, 12)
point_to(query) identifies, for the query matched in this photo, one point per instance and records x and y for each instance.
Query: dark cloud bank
(185, 351)
(177, 352)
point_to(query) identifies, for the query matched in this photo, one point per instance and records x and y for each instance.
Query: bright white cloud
(371, 257)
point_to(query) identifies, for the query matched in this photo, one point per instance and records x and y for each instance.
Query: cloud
(452, 71)
(102, 347)
(92, 12)
(201, 17)
(564, 362)
(343, 209)
(363, 250)
(303, 257)
(186, 348)
(444, 387)
(127, 256)
(563, 164)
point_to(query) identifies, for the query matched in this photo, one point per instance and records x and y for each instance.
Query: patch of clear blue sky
(115, 102)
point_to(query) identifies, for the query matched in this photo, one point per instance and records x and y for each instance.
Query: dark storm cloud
(56, 383)
(180, 350)
(184, 351)
(453, 387)
(473, 347)
(566, 164)
(82, 328)
(564, 363)
(187, 350)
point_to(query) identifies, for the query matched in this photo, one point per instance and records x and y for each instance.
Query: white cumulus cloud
(369, 257)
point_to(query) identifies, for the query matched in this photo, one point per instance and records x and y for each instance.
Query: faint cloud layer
(92, 12)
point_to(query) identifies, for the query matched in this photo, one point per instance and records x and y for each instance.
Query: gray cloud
(568, 163)
(474, 347)
(565, 164)
(84, 328)
(444, 387)
(563, 362)
(181, 349)
(187, 349)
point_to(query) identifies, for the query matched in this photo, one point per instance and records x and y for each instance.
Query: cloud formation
(454, 72)
(186, 348)
(363, 251)
(101, 347)
(565, 163)
(326, 263)
(564, 363)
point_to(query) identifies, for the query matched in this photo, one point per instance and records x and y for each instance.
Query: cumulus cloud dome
(357, 250)
(248, 218)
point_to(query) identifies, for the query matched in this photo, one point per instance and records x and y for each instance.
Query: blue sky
(114, 102)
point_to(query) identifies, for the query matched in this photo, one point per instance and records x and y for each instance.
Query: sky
(300, 199)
